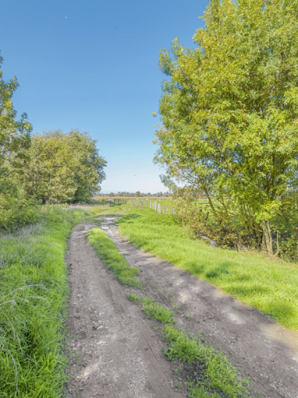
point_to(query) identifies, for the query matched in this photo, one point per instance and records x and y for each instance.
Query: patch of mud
(114, 351)
(263, 351)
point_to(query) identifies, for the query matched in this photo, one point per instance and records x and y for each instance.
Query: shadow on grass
(194, 268)
(250, 290)
(279, 311)
(200, 269)
(222, 269)
(242, 278)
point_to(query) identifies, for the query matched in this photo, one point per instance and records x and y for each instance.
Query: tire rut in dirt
(117, 354)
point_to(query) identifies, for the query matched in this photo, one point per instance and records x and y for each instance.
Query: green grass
(112, 258)
(269, 285)
(153, 310)
(208, 372)
(107, 209)
(33, 293)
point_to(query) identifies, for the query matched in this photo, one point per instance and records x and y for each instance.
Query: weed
(154, 327)
(174, 303)
(133, 297)
(153, 310)
(188, 315)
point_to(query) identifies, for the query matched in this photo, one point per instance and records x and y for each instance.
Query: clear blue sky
(93, 65)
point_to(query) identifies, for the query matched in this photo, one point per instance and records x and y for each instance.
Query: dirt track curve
(119, 354)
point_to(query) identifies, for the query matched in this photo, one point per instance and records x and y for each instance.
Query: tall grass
(33, 292)
(269, 285)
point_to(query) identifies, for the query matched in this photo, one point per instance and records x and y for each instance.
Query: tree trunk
(267, 238)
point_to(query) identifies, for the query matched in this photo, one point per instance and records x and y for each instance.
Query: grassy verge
(269, 285)
(33, 292)
(112, 258)
(208, 372)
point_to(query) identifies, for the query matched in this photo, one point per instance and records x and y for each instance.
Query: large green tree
(63, 167)
(230, 108)
(14, 137)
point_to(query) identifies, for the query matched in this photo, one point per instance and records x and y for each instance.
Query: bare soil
(119, 353)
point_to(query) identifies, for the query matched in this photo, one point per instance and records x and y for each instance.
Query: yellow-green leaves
(231, 105)
(63, 167)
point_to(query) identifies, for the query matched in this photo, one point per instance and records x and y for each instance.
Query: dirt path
(119, 353)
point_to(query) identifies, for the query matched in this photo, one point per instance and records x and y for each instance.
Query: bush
(17, 211)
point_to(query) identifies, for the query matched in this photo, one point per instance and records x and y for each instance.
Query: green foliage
(285, 227)
(269, 285)
(112, 258)
(230, 227)
(33, 292)
(229, 110)
(17, 211)
(134, 298)
(63, 167)
(14, 135)
(153, 310)
(53, 167)
(14, 144)
(213, 373)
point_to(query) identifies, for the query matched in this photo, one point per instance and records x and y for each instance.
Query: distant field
(107, 197)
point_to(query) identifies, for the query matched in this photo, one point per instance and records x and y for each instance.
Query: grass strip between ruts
(112, 258)
(209, 373)
(33, 293)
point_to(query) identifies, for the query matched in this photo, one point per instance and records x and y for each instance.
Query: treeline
(229, 125)
(53, 167)
(136, 194)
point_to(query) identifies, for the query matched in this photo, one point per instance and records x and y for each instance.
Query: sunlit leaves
(229, 109)
(63, 167)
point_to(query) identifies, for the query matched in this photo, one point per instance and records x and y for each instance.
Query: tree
(63, 167)
(230, 107)
(14, 137)
(15, 140)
